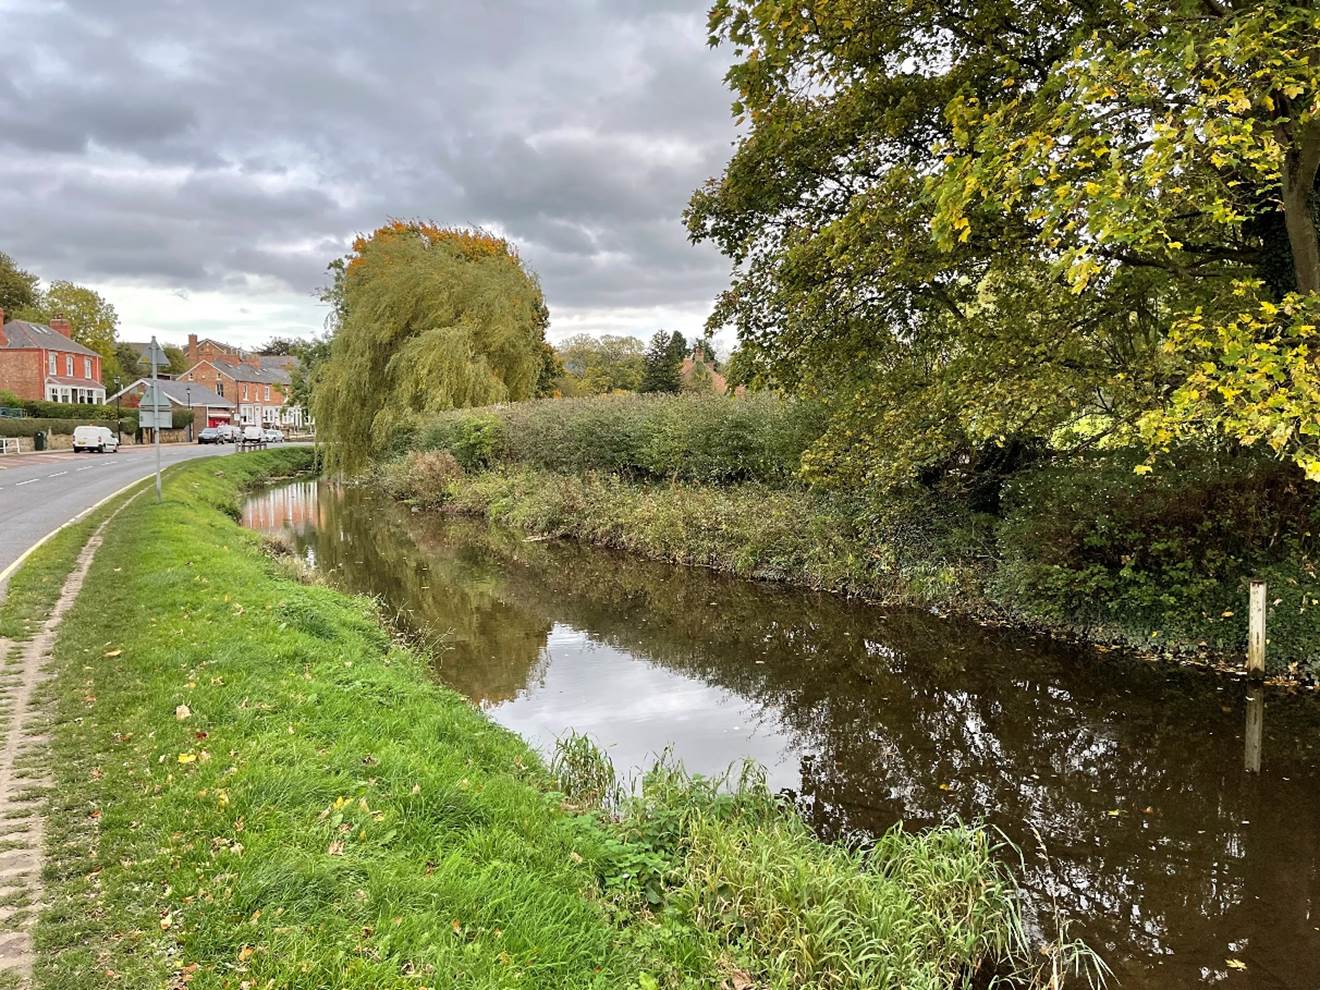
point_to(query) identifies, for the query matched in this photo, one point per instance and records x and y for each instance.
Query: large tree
(663, 363)
(428, 318)
(596, 365)
(18, 288)
(965, 223)
(91, 317)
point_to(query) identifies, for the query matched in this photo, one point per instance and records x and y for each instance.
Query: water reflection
(1122, 783)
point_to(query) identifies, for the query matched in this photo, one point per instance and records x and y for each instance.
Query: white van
(99, 438)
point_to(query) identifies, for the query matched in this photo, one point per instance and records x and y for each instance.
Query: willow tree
(427, 318)
(967, 222)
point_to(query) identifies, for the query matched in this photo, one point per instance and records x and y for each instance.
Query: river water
(1122, 782)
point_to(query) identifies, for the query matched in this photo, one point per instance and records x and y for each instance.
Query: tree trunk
(1299, 173)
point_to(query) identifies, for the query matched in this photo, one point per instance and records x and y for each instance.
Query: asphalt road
(39, 492)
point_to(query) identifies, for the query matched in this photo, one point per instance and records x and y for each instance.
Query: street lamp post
(187, 391)
(117, 423)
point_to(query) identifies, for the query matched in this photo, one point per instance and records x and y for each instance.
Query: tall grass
(711, 439)
(744, 893)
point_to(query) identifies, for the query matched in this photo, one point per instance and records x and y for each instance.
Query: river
(1122, 782)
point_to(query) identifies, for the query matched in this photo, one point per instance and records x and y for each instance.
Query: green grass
(36, 585)
(256, 786)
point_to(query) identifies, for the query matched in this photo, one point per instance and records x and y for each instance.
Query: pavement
(41, 492)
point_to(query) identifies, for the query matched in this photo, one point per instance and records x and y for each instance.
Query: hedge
(710, 439)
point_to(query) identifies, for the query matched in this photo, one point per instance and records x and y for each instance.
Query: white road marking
(57, 474)
(28, 482)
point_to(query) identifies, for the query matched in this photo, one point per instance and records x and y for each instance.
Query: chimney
(192, 348)
(60, 325)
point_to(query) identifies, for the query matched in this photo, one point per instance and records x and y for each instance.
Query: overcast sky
(200, 163)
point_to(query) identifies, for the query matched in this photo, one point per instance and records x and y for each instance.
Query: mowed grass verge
(257, 787)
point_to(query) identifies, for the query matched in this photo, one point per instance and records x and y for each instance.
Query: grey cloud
(214, 145)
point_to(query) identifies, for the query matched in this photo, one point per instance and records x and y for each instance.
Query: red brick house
(257, 383)
(39, 362)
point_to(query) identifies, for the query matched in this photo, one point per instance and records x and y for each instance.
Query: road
(39, 492)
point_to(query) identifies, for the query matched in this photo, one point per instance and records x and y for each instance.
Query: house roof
(247, 373)
(181, 393)
(22, 335)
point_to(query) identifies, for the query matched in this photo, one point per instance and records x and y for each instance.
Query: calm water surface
(1122, 782)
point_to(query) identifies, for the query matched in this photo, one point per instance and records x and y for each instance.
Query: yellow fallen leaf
(1235, 964)
(1114, 813)
(112, 653)
(245, 953)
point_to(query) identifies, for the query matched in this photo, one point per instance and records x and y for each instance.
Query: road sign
(155, 354)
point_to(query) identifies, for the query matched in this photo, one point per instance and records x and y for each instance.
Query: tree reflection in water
(1122, 782)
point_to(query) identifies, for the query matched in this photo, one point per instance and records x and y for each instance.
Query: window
(87, 367)
(54, 366)
(245, 394)
(267, 393)
(220, 388)
(68, 365)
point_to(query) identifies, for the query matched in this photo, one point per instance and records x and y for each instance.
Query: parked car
(253, 435)
(210, 435)
(98, 438)
(272, 436)
(228, 434)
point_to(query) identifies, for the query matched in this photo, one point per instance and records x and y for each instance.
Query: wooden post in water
(1256, 632)
(1255, 725)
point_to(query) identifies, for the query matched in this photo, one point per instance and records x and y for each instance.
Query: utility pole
(157, 358)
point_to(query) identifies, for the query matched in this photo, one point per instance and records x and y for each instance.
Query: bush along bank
(256, 785)
(1084, 546)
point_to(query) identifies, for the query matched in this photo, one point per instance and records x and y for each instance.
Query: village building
(209, 409)
(45, 362)
(257, 384)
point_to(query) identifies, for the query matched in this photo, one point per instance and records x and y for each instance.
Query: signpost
(154, 404)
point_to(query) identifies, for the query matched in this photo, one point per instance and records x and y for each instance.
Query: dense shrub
(423, 476)
(1168, 554)
(705, 438)
(31, 425)
(58, 410)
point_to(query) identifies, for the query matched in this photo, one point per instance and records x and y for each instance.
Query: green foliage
(706, 438)
(599, 365)
(583, 771)
(422, 476)
(958, 233)
(743, 893)
(1165, 557)
(32, 425)
(312, 355)
(91, 317)
(18, 288)
(662, 362)
(433, 319)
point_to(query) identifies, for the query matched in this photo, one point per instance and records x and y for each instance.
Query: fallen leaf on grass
(336, 848)
(182, 712)
(112, 653)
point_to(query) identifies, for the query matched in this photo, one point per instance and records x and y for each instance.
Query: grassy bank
(257, 786)
(1085, 545)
